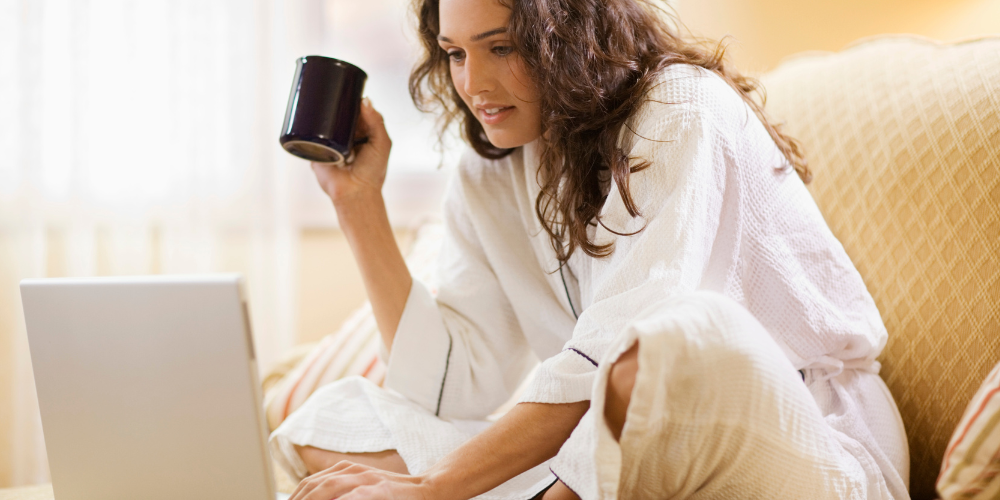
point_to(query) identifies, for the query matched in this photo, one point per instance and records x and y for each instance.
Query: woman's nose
(478, 78)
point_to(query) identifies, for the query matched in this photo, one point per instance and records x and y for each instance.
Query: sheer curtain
(138, 137)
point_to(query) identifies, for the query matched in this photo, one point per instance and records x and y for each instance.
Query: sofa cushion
(903, 136)
(971, 466)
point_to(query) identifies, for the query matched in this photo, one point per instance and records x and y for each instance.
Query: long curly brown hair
(593, 62)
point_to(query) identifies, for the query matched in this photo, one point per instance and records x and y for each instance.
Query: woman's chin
(506, 139)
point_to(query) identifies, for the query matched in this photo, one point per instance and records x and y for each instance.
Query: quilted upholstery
(903, 136)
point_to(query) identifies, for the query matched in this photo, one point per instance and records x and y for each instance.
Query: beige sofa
(903, 136)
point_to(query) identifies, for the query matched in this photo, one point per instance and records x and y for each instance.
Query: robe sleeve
(680, 197)
(462, 353)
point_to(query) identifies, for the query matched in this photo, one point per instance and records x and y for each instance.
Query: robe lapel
(525, 182)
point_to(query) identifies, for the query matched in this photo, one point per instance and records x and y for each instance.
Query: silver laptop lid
(148, 388)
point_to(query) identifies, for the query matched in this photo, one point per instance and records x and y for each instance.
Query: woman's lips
(501, 113)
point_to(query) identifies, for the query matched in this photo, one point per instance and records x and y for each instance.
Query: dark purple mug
(322, 112)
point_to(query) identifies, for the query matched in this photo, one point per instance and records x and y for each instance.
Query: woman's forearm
(365, 223)
(528, 435)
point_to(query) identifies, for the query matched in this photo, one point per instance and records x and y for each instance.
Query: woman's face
(488, 75)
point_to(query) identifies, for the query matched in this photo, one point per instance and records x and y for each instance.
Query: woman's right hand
(366, 174)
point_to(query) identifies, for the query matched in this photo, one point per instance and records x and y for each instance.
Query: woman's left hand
(351, 481)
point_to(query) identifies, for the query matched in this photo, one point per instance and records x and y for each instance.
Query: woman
(628, 217)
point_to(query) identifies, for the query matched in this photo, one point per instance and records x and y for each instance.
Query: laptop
(148, 388)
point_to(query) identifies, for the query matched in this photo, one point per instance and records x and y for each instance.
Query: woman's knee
(621, 381)
(700, 330)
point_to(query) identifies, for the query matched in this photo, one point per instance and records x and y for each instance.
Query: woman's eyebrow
(476, 38)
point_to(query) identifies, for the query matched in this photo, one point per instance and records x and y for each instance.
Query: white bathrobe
(722, 211)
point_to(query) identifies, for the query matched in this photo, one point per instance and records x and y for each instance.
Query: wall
(765, 31)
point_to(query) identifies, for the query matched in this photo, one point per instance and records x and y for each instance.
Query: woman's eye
(503, 50)
(456, 55)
